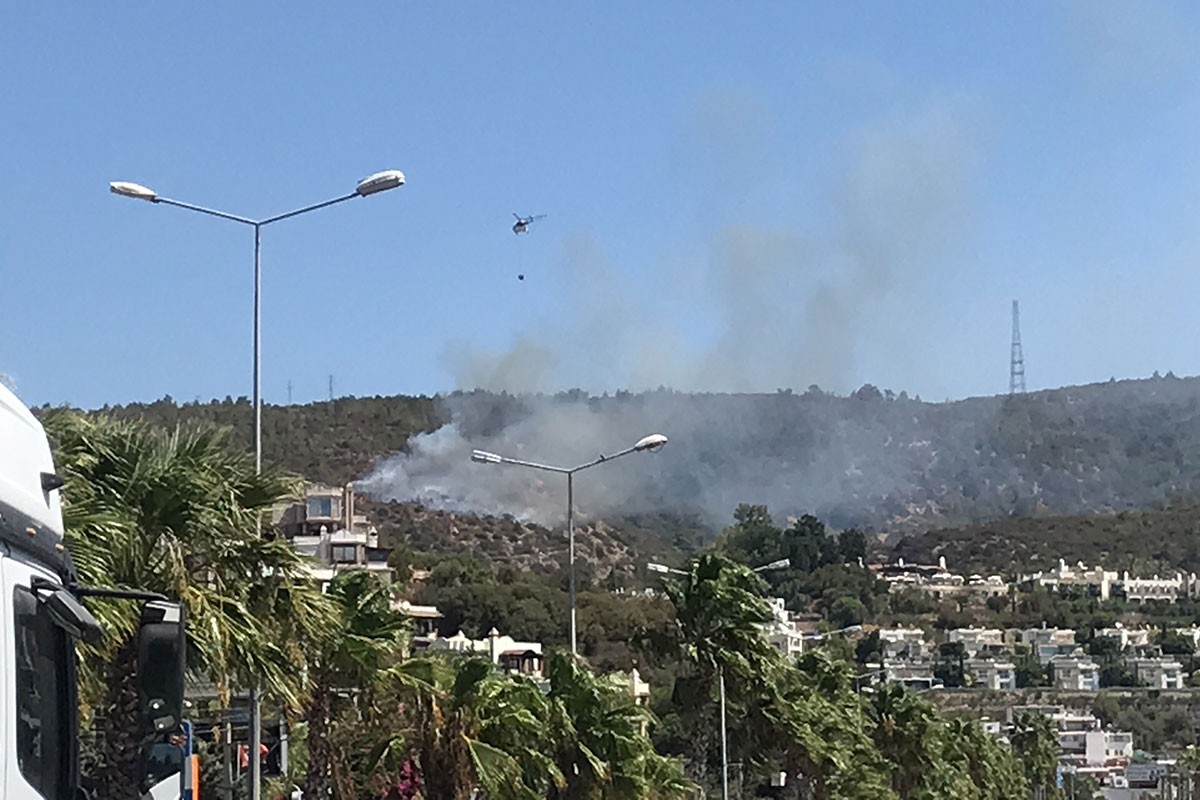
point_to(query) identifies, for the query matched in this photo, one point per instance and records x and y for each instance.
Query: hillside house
(511, 656)
(1045, 643)
(425, 621)
(991, 674)
(1065, 579)
(978, 640)
(325, 527)
(1168, 590)
(902, 643)
(916, 675)
(1129, 638)
(1075, 673)
(1158, 673)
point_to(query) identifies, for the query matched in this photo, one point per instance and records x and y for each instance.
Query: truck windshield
(43, 698)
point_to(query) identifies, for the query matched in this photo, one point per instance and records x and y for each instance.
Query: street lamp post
(782, 563)
(647, 444)
(379, 182)
(373, 184)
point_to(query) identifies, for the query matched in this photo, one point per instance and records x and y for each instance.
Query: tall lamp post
(646, 444)
(782, 563)
(373, 184)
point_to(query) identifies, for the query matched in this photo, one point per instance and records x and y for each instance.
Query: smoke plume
(746, 307)
(749, 306)
(792, 452)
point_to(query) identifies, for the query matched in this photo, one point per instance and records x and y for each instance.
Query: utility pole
(1016, 364)
(289, 391)
(331, 388)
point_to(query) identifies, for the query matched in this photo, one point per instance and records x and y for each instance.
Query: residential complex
(941, 584)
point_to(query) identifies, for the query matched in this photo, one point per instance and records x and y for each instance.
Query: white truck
(42, 615)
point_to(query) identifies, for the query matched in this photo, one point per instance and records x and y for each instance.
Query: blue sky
(738, 197)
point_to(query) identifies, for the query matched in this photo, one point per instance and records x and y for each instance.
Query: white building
(1095, 747)
(1085, 747)
(1128, 637)
(899, 643)
(1192, 633)
(1140, 590)
(1168, 590)
(1075, 673)
(1045, 643)
(787, 632)
(425, 622)
(783, 632)
(998, 676)
(917, 675)
(1094, 579)
(639, 689)
(940, 583)
(1158, 673)
(977, 640)
(522, 658)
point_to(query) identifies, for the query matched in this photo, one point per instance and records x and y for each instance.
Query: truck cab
(42, 616)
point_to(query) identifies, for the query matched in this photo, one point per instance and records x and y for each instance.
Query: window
(345, 554)
(321, 507)
(44, 712)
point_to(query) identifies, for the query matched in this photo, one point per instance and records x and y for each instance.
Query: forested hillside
(331, 442)
(873, 460)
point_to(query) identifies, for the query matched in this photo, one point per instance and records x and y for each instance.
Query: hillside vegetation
(987, 479)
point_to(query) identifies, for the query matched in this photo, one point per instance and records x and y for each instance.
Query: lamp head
(134, 190)
(484, 457)
(648, 444)
(380, 182)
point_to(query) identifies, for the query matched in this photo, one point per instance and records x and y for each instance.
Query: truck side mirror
(70, 615)
(161, 655)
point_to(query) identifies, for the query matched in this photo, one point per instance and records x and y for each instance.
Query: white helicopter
(522, 223)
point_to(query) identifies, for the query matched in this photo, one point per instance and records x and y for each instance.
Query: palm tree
(822, 731)
(990, 765)
(720, 612)
(178, 512)
(600, 741)
(471, 729)
(347, 660)
(906, 733)
(1035, 745)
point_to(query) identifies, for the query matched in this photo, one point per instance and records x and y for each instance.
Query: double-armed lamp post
(379, 182)
(647, 444)
(373, 184)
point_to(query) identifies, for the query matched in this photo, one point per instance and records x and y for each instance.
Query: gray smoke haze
(894, 464)
(795, 453)
(747, 308)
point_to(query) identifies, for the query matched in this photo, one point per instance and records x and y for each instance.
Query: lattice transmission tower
(1016, 363)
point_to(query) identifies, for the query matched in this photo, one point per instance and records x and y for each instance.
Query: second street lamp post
(782, 563)
(373, 184)
(646, 444)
